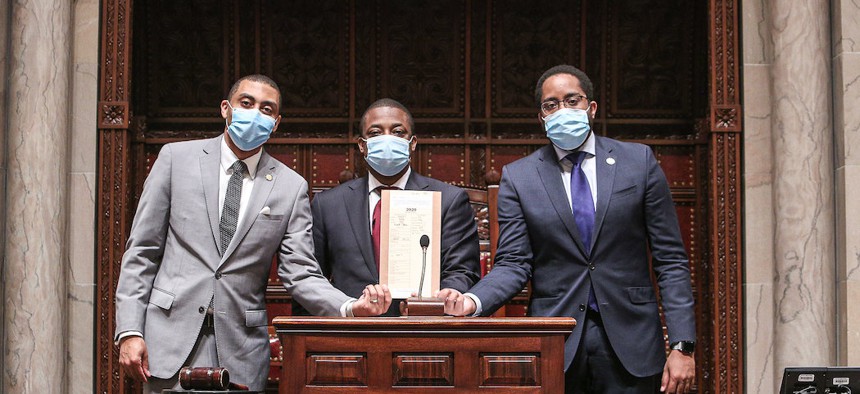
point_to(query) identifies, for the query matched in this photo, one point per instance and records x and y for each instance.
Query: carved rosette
(113, 184)
(725, 187)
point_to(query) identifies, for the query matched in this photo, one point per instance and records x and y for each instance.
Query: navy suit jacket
(344, 248)
(539, 240)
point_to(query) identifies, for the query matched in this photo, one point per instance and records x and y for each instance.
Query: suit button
(591, 266)
(202, 309)
(217, 275)
(581, 307)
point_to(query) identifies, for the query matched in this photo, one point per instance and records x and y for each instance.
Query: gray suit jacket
(539, 240)
(172, 267)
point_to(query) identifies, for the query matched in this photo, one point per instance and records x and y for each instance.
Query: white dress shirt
(374, 196)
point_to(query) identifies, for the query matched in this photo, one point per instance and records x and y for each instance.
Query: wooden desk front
(423, 354)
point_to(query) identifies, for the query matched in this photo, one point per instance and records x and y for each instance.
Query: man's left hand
(453, 299)
(374, 301)
(679, 373)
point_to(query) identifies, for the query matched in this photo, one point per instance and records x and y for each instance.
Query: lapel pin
(610, 161)
(268, 177)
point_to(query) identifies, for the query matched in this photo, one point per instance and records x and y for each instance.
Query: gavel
(207, 378)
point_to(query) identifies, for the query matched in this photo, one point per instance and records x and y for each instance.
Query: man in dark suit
(578, 218)
(212, 215)
(344, 216)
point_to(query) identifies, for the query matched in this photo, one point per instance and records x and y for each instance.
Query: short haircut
(254, 78)
(387, 103)
(584, 81)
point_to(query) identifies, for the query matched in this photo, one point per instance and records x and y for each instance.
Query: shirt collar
(228, 158)
(588, 147)
(373, 183)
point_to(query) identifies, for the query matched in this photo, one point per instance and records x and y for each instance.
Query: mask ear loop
(231, 114)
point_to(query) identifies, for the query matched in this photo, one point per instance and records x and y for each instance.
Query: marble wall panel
(803, 184)
(848, 267)
(846, 120)
(758, 219)
(81, 282)
(759, 345)
(757, 44)
(846, 26)
(758, 175)
(83, 157)
(86, 32)
(849, 331)
(846, 129)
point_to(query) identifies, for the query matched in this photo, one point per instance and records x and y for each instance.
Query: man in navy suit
(578, 218)
(344, 215)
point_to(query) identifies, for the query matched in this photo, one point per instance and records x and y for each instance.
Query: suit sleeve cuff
(478, 307)
(127, 334)
(346, 308)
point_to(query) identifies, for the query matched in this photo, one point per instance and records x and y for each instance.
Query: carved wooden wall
(665, 74)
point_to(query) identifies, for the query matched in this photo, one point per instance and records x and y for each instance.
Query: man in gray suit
(578, 218)
(212, 215)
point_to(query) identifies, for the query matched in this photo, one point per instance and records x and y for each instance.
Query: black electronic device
(843, 380)
(803, 380)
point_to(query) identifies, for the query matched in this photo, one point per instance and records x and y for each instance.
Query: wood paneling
(467, 70)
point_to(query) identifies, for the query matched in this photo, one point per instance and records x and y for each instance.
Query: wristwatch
(686, 347)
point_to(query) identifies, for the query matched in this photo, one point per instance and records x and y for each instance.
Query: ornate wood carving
(725, 197)
(467, 71)
(113, 184)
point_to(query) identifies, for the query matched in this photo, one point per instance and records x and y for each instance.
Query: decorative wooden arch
(721, 342)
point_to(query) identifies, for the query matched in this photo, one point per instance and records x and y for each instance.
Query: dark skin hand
(679, 373)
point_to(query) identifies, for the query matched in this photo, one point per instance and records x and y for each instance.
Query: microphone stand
(423, 262)
(423, 306)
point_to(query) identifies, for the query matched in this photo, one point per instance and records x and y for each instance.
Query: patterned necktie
(374, 223)
(583, 209)
(230, 212)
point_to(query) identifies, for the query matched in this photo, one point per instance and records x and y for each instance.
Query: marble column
(846, 126)
(4, 55)
(36, 206)
(803, 196)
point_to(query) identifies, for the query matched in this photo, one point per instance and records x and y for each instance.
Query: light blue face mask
(249, 129)
(387, 154)
(567, 128)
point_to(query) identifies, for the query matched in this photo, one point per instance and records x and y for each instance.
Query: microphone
(425, 242)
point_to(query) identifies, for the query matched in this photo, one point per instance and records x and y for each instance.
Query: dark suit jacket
(539, 240)
(344, 248)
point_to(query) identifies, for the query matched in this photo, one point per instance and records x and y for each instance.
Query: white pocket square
(265, 211)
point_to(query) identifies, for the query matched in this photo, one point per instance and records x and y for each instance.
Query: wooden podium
(422, 354)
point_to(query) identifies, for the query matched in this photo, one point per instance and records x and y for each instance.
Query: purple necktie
(583, 209)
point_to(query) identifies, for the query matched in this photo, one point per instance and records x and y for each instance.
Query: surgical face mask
(567, 128)
(249, 129)
(387, 154)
